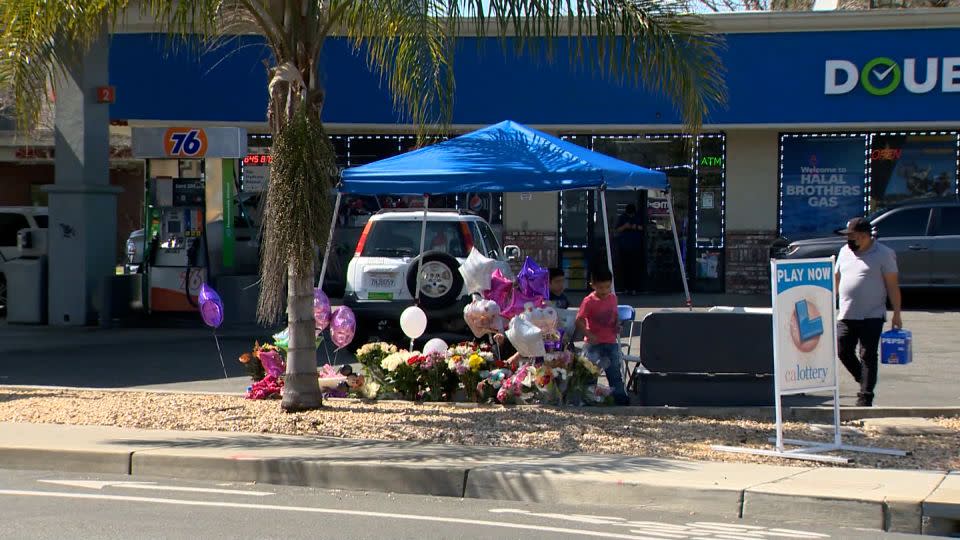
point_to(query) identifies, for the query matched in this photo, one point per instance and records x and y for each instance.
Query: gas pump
(189, 184)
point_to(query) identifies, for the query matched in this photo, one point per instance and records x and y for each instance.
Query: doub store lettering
(882, 75)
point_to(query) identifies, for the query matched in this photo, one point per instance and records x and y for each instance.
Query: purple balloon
(343, 326)
(321, 309)
(533, 279)
(211, 307)
(518, 302)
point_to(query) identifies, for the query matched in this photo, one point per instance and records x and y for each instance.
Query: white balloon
(435, 346)
(413, 322)
(477, 271)
(526, 338)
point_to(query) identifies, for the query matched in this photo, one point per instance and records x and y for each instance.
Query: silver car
(924, 233)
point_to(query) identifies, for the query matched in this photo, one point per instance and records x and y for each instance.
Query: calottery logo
(883, 75)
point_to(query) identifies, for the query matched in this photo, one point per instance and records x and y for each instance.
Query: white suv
(13, 219)
(382, 276)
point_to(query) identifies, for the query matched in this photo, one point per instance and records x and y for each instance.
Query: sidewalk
(897, 501)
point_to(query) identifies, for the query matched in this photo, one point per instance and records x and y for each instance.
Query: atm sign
(185, 143)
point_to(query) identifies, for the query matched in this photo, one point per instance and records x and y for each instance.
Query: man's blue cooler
(896, 347)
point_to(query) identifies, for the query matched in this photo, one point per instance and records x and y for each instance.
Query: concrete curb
(892, 500)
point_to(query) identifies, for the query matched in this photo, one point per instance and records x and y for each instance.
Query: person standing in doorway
(629, 231)
(866, 276)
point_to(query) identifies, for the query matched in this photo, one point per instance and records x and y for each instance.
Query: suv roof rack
(420, 211)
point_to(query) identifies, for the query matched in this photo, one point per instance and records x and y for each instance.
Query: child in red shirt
(598, 321)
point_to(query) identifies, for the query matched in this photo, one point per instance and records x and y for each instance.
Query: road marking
(693, 531)
(307, 509)
(94, 484)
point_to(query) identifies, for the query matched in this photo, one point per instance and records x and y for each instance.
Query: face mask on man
(852, 244)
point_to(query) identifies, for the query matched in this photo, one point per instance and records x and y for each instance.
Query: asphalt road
(42, 505)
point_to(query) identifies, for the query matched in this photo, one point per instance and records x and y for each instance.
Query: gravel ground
(572, 430)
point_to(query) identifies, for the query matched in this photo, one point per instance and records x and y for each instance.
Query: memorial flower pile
(370, 357)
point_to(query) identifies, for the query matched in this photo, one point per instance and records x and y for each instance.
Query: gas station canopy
(507, 157)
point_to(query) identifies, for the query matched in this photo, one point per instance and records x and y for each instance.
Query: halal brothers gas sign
(883, 75)
(804, 325)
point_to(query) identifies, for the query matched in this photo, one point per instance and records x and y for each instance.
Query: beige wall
(752, 180)
(539, 214)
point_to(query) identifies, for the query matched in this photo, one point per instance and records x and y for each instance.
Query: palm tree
(410, 43)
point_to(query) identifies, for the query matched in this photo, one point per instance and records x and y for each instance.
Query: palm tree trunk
(301, 390)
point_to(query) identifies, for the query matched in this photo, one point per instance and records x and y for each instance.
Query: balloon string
(220, 352)
(326, 350)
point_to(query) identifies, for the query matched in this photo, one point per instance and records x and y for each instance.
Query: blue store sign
(822, 183)
(892, 76)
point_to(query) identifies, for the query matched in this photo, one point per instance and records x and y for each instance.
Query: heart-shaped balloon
(501, 289)
(477, 272)
(483, 317)
(544, 318)
(533, 279)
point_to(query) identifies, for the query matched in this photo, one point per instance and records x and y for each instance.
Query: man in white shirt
(866, 276)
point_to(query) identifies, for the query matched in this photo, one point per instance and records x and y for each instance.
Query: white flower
(393, 361)
(559, 373)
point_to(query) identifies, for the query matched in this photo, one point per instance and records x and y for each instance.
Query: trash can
(27, 290)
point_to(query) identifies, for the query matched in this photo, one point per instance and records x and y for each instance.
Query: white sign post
(805, 353)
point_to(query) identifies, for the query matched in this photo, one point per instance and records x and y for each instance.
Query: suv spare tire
(442, 281)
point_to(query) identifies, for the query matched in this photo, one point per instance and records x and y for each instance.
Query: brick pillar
(748, 261)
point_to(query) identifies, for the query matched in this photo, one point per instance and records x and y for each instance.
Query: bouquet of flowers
(488, 388)
(371, 357)
(268, 387)
(583, 387)
(436, 382)
(470, 364)
(400, 375)
(264, 360)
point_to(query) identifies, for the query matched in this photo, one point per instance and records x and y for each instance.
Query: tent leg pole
(326, 251)
(423, 241)
(676, 244)
(606, 236)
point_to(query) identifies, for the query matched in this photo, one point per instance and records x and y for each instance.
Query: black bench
(706, 359)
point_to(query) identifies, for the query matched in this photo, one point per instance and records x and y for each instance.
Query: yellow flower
(475, 362)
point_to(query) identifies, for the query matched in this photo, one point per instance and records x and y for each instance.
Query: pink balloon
(321, 309)
(343, 326)
(519, 301)
(500, 290)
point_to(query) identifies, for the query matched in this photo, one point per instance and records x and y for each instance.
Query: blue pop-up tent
(503, 157)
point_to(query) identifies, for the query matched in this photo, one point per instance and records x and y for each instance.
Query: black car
(924, 233)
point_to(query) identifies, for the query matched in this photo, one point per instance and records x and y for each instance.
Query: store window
(696, 173)
(909, 166)
(822, 182)
(826, 178)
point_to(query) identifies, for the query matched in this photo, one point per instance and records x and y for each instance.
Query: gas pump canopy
(189, 142)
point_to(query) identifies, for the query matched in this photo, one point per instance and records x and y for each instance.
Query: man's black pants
(866, 333)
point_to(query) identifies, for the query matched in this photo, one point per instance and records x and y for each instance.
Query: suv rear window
(402, 239)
